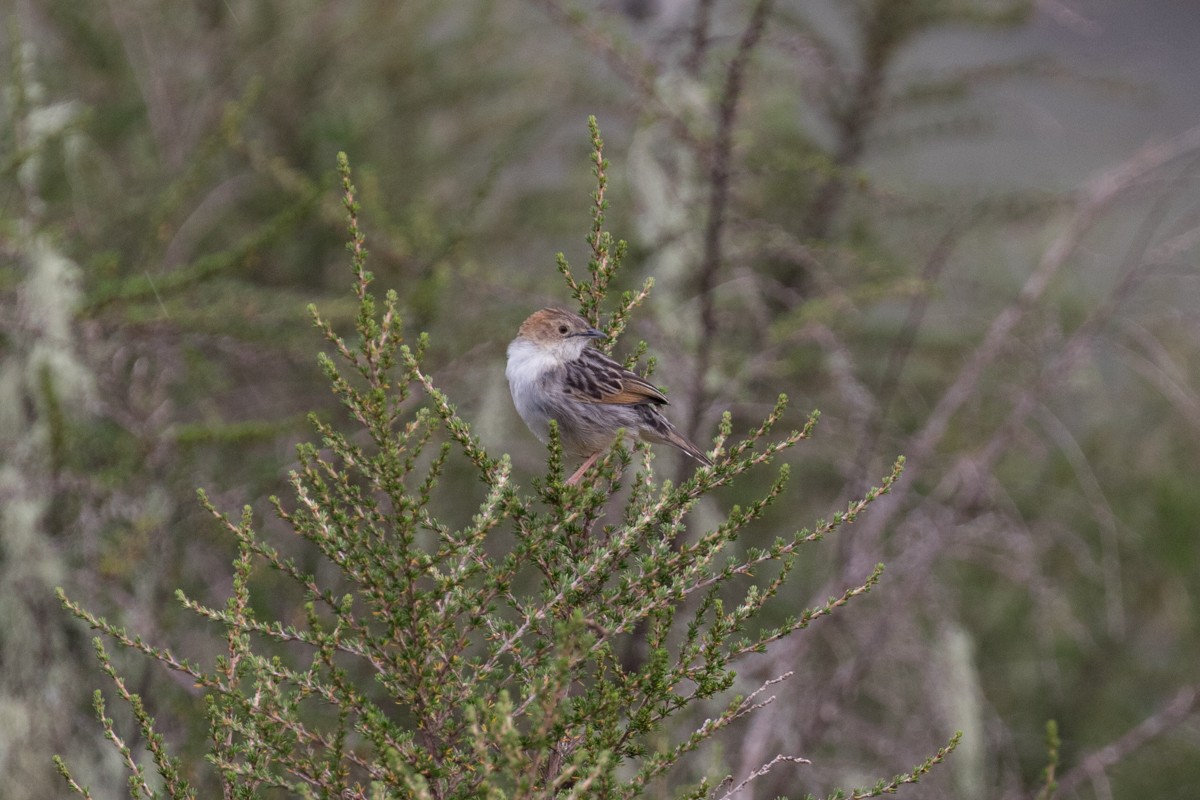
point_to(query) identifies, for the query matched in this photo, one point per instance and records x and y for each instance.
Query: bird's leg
(574, 479)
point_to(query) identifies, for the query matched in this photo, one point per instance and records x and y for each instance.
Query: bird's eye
(562, 328)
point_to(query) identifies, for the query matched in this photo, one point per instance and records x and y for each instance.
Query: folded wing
(596, 378)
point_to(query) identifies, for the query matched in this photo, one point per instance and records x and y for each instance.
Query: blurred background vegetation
(966, 230)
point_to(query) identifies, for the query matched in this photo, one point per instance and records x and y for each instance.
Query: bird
(554, 374)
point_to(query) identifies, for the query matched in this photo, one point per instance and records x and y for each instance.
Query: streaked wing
(596, 378)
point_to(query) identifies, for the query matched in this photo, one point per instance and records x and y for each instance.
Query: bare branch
(1095, 197)
(1176, 710)
(763, 770)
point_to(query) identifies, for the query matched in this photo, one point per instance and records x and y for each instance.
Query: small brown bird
(554, 375)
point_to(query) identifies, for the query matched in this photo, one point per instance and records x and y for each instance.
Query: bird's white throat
(528, 361)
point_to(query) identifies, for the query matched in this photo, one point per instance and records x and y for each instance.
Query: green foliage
(482, 661)
(1049, 788)
(891, 171)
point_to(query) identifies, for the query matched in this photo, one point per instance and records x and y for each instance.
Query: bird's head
(561, 332)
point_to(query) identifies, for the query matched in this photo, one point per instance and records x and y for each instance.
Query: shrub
(484, 661)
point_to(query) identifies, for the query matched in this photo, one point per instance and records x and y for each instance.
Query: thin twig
(763, 770)
(1175, 711)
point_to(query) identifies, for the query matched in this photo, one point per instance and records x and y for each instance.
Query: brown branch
(1154, 363)
(883, 31)
(870, 432)
(699, 38)
(1137, 264)
(1096, 196)
(1178, 709)
(718, 201)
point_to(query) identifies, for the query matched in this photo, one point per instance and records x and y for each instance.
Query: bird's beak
(592, 333)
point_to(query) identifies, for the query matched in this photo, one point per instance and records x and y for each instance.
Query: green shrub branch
(482, 661)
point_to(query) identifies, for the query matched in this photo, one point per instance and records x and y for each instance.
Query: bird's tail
(657, 428)
(676, 438)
